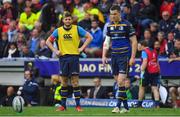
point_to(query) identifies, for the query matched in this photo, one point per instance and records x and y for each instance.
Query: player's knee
(172, 90)
(154, 89)
(141, 88)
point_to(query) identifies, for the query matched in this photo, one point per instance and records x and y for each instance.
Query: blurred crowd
(26, 24)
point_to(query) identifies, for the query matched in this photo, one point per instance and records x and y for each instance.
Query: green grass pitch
(88, 111)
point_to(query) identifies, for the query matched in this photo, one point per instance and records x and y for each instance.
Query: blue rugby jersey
(120, 34)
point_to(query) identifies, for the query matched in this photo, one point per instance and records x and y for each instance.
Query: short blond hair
(55, 79)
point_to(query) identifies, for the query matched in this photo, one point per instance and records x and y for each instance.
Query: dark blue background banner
(94, 67)
(108, 103)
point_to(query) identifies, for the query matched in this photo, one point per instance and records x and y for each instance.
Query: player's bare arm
(144, 64)
(49, 43)
(105, 49)
(87, 42)
(134, 44)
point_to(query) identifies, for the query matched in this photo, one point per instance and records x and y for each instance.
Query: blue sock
(125, 104)
(122, 97)
(122, 90)
(119, 103)
(140, 103)
(77, 95)
(156, 103)
(64, 94)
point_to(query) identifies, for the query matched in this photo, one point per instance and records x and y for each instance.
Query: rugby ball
(18, 104)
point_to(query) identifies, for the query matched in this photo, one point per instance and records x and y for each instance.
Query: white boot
(115, 110)
(124, 111)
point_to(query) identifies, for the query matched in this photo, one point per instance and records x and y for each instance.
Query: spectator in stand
(154, 29)
(88, 7)
(147, 14)
(148, 37)
(50, 19)
(135, 7)
(166, 24)
(8, 99)
(12, 32)
(20, 41)
(104, 6)
(33, 43)
(86, 22)
(177, 29)
(20, 6)
(38, 26)
(4, 45)
(96, 17)
(5, 24)
(94, 2)
(78, 10)
(170, 44)
(28, 3)
(30, 90)
(163, 43)
(26, 52)
(59, 8)
(24, 31)
(13, 50)
(69, 6)
(27, 19)
(175, 56)
(43, 51)
(36, 6)
(126, 14)
(157, 46)
(98, 91)
(8, 11)
(177, 7)
(120, 3)
(167, 5)
(94, 49)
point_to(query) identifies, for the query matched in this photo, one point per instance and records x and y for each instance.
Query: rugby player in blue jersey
(121, 36)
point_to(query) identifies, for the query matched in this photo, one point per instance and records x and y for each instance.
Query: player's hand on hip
(57, 52)
(104, 60)
(131, 61)
(80, 50)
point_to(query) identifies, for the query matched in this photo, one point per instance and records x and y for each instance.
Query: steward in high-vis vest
(56, 88)
(57, 95)
(150, 72)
